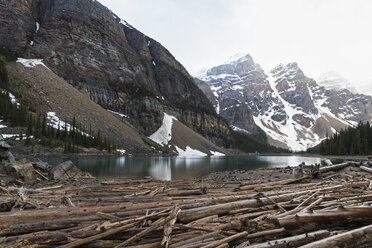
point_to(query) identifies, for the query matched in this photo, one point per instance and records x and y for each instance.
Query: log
(335, 167)
(310, 221)
(168, 228)
(365, 168)
(282, 182)
(354, 238)
(198, 213)
(196, 239)
(154, 226)
(294, 241)
(98, 236)
(226, 240)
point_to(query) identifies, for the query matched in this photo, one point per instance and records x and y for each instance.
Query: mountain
(334, 81)
(294, 111)
(109, 62)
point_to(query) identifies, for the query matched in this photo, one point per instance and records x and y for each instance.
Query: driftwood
(294, 241)
(354, 238)
(365, 168)
(341, 217)
(336, 167)
(209, 213)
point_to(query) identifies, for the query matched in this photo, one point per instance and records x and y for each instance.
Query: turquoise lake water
(170, 168)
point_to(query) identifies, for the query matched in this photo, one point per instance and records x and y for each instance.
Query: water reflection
(161, 169)
(170, 168)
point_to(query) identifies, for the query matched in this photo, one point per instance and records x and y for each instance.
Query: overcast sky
(321, 35)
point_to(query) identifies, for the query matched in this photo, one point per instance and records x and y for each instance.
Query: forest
(349, 141)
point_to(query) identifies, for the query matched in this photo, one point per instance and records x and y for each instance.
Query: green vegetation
(70, 138)
(350, 141)
(248, 143)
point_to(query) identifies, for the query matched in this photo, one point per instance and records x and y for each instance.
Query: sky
(320, 35)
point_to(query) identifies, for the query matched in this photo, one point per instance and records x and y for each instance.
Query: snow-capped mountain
(335, 81)
(294, 111)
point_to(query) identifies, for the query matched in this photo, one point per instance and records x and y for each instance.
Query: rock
(240, 87)
(326, 162)
(3, 144)
(23, 172)
(42, 166)
(67, 170)
(109, 61)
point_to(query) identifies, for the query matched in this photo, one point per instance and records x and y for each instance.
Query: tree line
(349, 141)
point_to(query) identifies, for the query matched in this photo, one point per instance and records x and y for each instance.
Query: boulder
(67, 170)
(3, 144)
(23, 172)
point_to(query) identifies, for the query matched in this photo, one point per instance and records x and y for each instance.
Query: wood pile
(331, 210)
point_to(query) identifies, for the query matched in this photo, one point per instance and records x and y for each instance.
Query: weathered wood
(198, 213)
(196, 239)
(282, 182)
(294, 241)
(226, 240)
(168, 228)
(154, 226)
(354, 238)
(310, 221)
(336, 167)
(365, 168)
(98, 236)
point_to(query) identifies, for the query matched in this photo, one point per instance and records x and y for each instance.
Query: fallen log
(98, 236)
(294, 241)
(196, 239)
(282, 182)
(198, 213)
(310, 221)
(336, 167)
(226, 240)
(354, 238)
(154, 226)
(365, 168)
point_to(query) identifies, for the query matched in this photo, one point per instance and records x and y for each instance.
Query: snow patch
(217, 154)
(31, 43)
(235, 128)
(117, 113)
(31, 62)
(37, 27)
(121, 151)
(12, 97)
(125, 24)
(153, 62)
(8, 136)
(56, 123)
(164, 134)
(189, 152)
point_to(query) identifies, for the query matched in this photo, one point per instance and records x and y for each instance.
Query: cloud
(321, 35)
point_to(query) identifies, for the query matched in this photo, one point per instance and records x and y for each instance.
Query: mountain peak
(333, 80)
(239, 58)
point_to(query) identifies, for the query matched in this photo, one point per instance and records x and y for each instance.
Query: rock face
(109, 61)
(294, 111)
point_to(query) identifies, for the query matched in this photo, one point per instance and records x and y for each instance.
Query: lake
(170, 168)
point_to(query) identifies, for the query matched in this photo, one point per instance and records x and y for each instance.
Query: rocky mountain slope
(49, 93)
(294, 111)
(109, 61)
